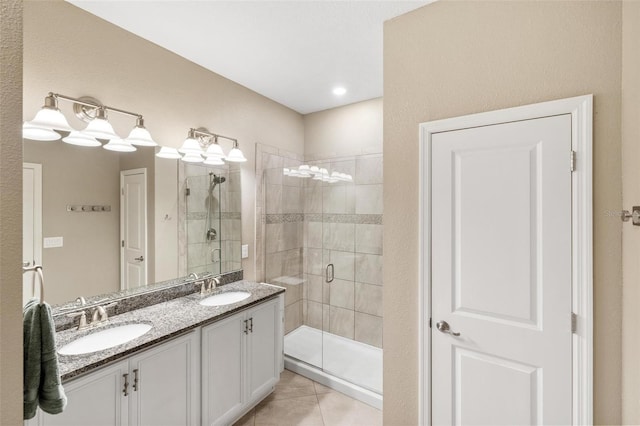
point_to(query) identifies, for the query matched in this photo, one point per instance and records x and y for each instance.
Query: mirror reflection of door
(133, 228)
(31, 223)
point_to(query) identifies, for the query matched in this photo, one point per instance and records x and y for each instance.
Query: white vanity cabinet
(159, 386)
(241, 360)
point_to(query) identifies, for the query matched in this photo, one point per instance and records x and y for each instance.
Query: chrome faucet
(209, 284)
(99, 314)
(82, 322)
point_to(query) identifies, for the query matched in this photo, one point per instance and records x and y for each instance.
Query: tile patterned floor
(300, 401)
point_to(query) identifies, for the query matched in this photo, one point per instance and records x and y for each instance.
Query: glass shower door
(203, 220)
(338, 243)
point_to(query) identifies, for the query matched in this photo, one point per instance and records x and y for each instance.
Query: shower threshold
(350, 367)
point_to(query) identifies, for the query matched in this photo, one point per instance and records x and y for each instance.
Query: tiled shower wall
(223, 254)
(308, 224)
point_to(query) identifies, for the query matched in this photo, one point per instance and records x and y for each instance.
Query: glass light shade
(190, 145)
(214, 150)
(236, 156)
(170, 153)
(100, 128)
(286, 171)
(51, 118)
(192, 157)
(36, 133)
(119, 145)
(141, 137)
(80, 139)
(314, 169)
(214, 161)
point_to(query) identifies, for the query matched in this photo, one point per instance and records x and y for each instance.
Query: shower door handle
(329, 276)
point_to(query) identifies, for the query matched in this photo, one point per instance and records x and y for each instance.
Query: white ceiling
(294, 52)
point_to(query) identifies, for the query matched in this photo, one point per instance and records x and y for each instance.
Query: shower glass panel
(323, 243)
(203, 221)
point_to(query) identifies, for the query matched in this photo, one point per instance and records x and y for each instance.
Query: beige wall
(454, 58)
(72, 52)
(631, 197)
(10, 213)
(349, 130)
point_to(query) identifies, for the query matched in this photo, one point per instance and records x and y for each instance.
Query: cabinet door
(223, 358)
(263, 361)
(165, 388)
(96, 399)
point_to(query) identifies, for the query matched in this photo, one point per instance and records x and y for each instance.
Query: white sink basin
(104, 339)
(226, 298)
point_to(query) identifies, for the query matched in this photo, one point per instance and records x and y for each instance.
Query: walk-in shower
(323, 241)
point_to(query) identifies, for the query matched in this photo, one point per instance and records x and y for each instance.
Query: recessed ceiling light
(339, 91)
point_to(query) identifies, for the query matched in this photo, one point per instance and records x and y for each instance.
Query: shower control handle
(329, 276)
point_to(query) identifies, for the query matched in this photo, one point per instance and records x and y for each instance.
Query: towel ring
(37, 269)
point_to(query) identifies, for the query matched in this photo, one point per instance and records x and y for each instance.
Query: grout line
(318, 402)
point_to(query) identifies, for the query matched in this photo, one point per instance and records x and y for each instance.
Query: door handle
(251, 324)
(246, 326)
(443, 327)
(139, 259)
(329, 277)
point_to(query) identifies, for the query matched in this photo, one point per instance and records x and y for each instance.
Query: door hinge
(122, 243)
(429, 322)
(121, 191)
(574, 322)
(573, 161)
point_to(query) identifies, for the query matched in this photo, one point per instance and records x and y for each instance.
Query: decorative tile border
(230, 215)
(284, 218)
(360, 219)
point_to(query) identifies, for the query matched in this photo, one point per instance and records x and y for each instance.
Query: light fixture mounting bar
(93, 105)
(212, 135)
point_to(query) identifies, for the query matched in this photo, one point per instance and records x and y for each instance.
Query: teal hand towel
(51, 396)
(41, 385)
(31, 339)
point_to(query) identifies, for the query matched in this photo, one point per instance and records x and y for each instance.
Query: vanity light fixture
(201, 146)
(80, 139)
(50, 120)
(168, 152)
(316, 173)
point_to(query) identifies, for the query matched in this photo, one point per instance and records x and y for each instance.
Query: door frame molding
(581, 110)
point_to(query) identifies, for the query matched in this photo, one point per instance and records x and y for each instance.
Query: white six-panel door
(501, 274)
(133, 228)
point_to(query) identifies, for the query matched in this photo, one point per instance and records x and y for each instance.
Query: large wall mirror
(101, 222)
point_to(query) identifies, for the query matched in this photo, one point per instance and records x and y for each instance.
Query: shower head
(215, 180)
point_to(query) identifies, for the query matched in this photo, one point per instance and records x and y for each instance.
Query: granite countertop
(169, 319)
